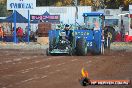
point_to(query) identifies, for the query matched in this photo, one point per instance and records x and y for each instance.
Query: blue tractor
(86, 39)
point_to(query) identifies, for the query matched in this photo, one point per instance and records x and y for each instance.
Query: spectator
(32, 36)
(1, 33)
(122, 32)
(12, 30)
(20, 34)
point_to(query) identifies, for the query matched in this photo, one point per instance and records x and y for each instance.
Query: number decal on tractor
(89, 44)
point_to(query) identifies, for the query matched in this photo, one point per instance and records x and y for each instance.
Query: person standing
(1, 33)
(122, 33)
(20, 34)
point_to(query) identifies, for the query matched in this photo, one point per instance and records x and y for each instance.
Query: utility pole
(76, 12)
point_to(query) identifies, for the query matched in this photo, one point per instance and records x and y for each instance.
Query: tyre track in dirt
(39, 66)
(64, 71)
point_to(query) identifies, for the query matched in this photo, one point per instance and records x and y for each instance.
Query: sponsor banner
(42, 17)
(110, 82)
(21, 4)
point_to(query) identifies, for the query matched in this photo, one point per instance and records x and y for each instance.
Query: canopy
(46, 14)
(19, 18)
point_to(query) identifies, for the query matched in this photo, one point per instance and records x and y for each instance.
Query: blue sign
(21, 5)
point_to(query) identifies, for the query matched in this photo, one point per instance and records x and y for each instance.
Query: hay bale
(43, 40)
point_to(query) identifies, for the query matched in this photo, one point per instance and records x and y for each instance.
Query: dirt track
(27, 69)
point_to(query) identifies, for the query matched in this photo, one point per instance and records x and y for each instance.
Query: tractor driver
(67, 29)
(69, 32)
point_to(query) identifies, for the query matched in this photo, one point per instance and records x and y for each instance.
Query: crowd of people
(19, 34)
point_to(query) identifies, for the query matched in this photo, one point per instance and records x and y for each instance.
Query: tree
(113, 4)
(97, 4)
(59, 3)
(126, 4)
(46, 2)
(86, 2)
(67, 2)
(3, 1)
(3, 11)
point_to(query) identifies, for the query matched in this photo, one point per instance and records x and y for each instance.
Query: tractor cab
(90, 35)
(93, 21)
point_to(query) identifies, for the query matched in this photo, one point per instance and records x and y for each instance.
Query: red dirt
(27, 69)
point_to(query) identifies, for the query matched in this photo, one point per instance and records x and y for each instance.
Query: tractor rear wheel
(81, 47)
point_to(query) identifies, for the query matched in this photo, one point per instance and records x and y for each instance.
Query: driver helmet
(66, 25)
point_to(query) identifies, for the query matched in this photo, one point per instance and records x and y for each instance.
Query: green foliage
(46, 2)
(126, 3)
(59, 3)
(86, 2)
(111, 4)
(3, 11)
(114, 4)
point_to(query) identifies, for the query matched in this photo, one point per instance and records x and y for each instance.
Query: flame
(84, 73)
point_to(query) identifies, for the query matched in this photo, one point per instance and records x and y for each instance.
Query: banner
(21, 4)
(41, 17)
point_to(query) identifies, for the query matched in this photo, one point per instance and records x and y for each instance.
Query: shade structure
(19, 18)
